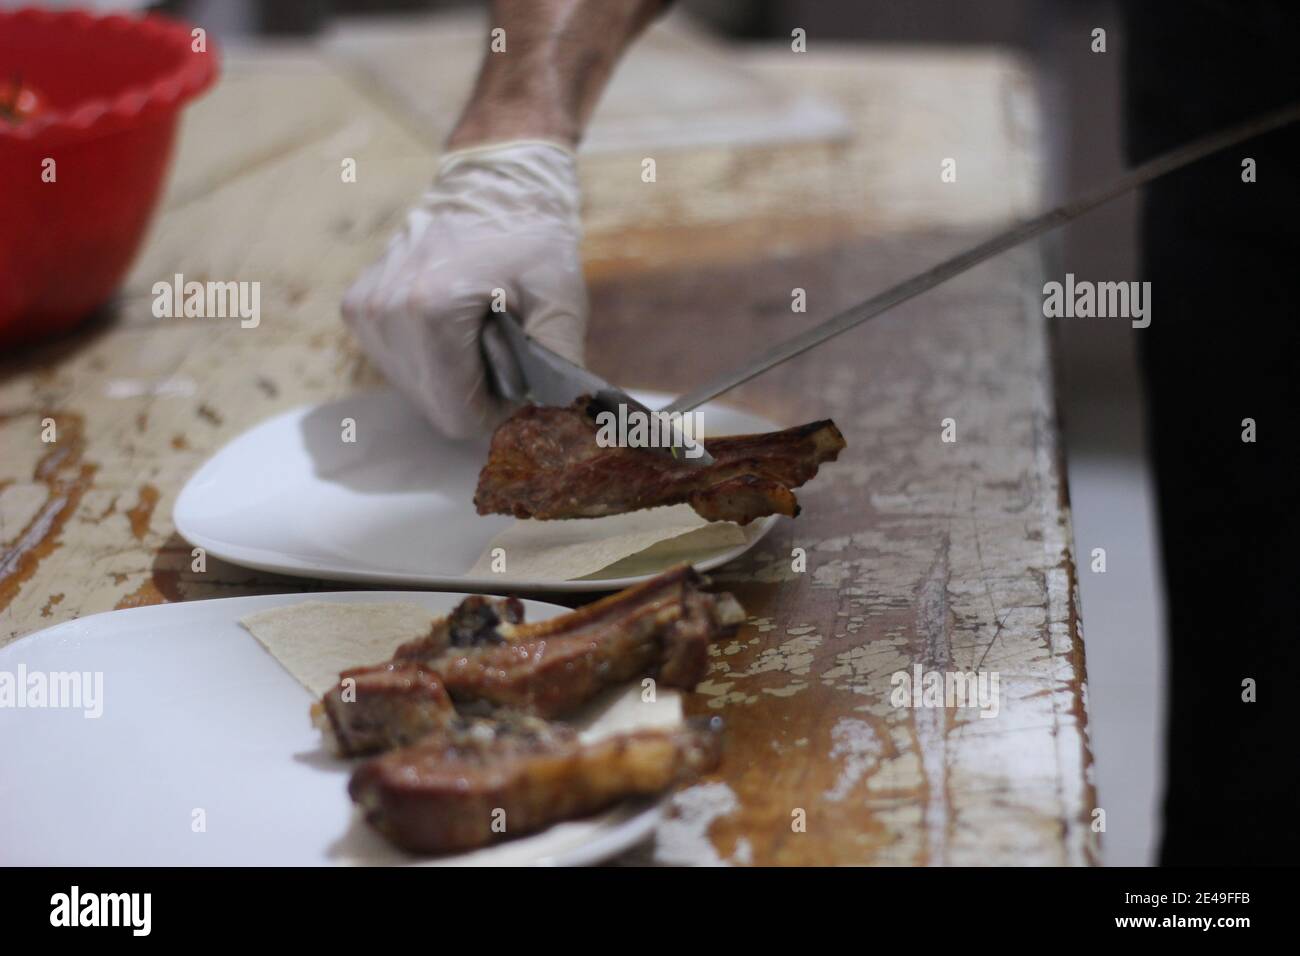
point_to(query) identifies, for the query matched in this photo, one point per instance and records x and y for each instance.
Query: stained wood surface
(955, 556)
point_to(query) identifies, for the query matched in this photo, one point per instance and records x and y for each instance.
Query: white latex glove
(504, 217)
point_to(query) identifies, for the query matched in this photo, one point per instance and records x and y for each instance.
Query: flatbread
(315, 640)
(625, 708)
(690, 548)
(583, 547)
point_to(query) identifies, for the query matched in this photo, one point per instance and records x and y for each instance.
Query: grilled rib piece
(545, 463)
(483, 653)
(376, 708)
(661, 627)
(448, 791)
(382, 706)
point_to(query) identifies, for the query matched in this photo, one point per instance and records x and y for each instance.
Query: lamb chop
(483, 654)
(546, 463)
(389, 705)
(450, 781)
(380, 707)
(476, 781)
(661, 627)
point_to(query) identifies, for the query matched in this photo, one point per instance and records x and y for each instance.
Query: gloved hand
(498, 217)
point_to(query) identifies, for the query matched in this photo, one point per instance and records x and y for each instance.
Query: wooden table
(955, 556)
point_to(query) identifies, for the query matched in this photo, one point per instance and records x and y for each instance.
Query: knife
(1010, 238)
(522, 369)
(525, 370)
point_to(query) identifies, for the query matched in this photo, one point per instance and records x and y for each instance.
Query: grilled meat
(380, 707)
(662, 627)
(452, 782)
(389, 705)
(472, 623)
(545, 463)
(477, 782)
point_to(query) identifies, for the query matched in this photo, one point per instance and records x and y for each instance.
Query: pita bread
(582, 547)
(315, 640)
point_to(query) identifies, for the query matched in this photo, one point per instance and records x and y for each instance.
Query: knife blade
(524, 369)
(1000, 242)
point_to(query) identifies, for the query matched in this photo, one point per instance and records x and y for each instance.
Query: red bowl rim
(134, 105)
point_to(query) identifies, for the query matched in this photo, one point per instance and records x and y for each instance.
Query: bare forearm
(558, 56)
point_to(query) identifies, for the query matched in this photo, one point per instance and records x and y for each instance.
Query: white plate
(395, 507)
(198, 716)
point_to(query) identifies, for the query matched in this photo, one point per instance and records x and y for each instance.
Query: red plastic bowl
(110, 90)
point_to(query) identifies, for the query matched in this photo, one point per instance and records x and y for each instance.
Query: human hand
(499, 229)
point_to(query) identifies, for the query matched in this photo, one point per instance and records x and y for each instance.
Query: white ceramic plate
(197, 716)
(395, 507)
